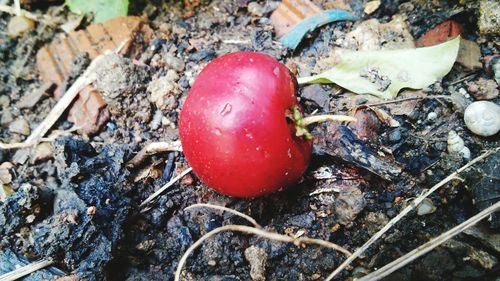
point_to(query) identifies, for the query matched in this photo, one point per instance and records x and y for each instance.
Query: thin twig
(306, 121)
(405, 211)
(256, 231)
(50, 138)
(85, 79)
(236, 41)
(222, 208)
(408, 99)
(427, 247)
(153, 148)
(25, 270)
(163, 188)
(17, 6)
(467, 77)
(80, 83)
(24, 13)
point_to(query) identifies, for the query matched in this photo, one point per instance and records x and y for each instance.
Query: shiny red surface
(233, 128)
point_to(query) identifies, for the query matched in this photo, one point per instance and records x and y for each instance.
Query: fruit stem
(301, 122)
(306, 121)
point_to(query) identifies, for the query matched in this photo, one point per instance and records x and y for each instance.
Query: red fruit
(234, 126)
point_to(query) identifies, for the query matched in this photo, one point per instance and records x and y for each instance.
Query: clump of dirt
(84, 224)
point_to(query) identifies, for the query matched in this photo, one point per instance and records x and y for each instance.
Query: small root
(429, 246)
(306, 121)
(51, 138)
(163, 188)
(259, 232)
(154, 148)
(222, 208)
(405, 211)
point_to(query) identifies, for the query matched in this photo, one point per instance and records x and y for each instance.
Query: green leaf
(102, 10)
(385, 73)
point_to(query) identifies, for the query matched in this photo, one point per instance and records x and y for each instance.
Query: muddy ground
(80, 204)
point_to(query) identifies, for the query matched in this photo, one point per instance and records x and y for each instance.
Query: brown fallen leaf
(469, 54)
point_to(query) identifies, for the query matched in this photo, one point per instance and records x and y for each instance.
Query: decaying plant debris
(111, 205)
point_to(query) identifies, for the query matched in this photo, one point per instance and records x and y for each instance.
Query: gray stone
(20, 126)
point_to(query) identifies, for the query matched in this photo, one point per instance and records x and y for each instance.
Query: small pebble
(315, 276)
(255, 9)
(43, 152)
(18, 25)
(463, 92)
(395, 136)
(20, 126)
(432, 116)
(30, 218)
(157, 120)
(4, 101)
(174, 62)
(6, 117)
(426, 207)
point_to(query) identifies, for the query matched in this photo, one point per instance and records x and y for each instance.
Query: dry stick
(467, 77)
(80, 83)
(86, 78)
(25, 270)
(153, 148)
(306, 121)
(405, 211)
(51, 138)
(12, 11)
(163, 188)
(17, 6)
(408, 99)
(222, 208)
(256, 231)
(427, 247)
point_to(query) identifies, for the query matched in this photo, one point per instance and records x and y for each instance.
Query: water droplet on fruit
(276, 71)
(226, 109)
(251, 60)
(289, 153)
(218, 132)
(249, 135)
(257, 148)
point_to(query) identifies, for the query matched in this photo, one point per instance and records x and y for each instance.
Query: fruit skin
(234, 130)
